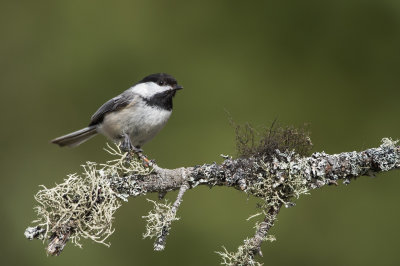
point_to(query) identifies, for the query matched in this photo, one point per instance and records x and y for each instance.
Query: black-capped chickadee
(132, 118)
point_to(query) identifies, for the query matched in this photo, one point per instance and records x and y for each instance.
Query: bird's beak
(178, 87)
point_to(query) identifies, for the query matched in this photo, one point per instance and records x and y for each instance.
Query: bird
(132, 118)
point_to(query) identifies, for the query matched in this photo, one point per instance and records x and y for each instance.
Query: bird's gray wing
(112, 105)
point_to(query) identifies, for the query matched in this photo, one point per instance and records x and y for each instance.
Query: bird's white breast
(139, 120)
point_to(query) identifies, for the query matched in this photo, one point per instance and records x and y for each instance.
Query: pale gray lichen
(280, 180)
(389, 157)
(159, 222)
(244, 255)
(34, 232)
(287, 175)
(275, 182)
(83, 206)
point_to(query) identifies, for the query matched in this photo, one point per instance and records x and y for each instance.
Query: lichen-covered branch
(69, 212)
(159, 220)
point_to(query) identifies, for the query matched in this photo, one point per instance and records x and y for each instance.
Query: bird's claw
(126, 146)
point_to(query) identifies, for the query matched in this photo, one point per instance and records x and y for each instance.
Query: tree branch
(286, 175)
(160, 242)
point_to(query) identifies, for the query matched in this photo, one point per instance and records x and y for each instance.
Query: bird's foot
(146, 161)
(127, 146)
(139, 153)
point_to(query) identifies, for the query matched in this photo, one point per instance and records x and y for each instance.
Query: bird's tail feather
(75, 138)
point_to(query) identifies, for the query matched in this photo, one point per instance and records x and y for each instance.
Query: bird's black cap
(162, 79)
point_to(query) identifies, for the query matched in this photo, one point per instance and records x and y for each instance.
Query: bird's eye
(161, 82)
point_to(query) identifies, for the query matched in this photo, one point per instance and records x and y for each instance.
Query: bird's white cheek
(148, 89)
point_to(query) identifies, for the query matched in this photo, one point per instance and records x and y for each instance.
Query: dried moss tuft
(263, 144)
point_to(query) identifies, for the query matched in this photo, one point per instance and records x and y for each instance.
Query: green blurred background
(333, 64)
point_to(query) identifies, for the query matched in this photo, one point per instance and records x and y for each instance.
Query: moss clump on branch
(273, 179)
(84, 205)
(263, 144)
